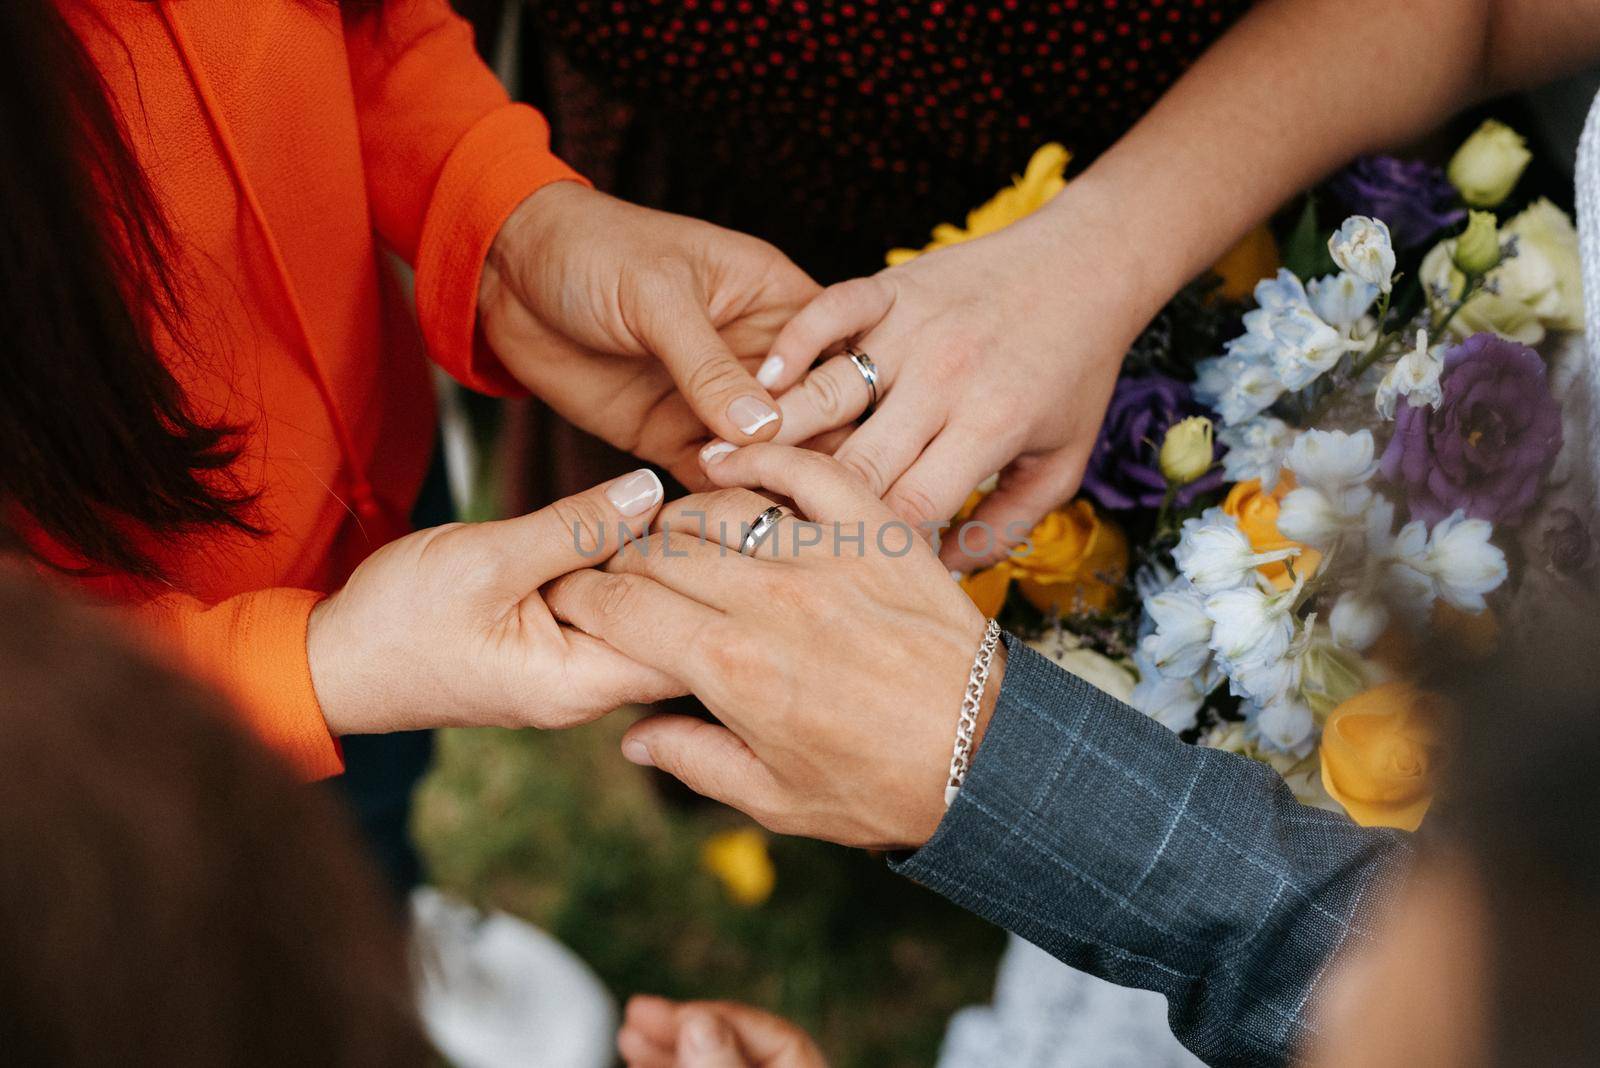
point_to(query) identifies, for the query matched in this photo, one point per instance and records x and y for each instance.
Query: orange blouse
(287, 144)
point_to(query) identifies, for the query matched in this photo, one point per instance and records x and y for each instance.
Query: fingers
(675, 326)
(599, 679)
(706, 1041)
(640, 618)
(722, 517)
(1028, 489)
(825, 490)
(890, 442)
(579, 531)
(841, 311)
(708, 758)
(832, 395)
(656, 1028)
(939, 482)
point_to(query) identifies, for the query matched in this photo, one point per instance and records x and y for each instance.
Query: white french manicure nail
(635, 493)
(771, 370)
(750, 414)
(716, 451)
(956, 575)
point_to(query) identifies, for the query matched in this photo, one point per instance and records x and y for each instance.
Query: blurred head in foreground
(1489, 956)
(168, 894)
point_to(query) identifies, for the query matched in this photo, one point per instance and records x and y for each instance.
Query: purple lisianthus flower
(1413, 197)
(1488, 446)
(1124, 469)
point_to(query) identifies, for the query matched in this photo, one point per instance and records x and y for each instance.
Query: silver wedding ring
(760, 527)
(869, 373)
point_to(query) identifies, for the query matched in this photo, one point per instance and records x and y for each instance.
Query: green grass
(558, 828)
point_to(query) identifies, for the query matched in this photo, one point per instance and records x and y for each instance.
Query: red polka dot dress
(838, 128)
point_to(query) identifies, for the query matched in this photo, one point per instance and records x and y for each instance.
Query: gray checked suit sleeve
(1096, 834)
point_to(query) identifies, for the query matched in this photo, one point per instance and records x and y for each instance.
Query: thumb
(708, 758)
(706, 1041)
(583, 530)
(676, 326)
(1028, 489)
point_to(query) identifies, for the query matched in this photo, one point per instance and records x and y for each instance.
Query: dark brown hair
(98, 437)
(169, 893)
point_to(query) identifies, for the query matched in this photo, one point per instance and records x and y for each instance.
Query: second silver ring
(760, 527)
(869, 374)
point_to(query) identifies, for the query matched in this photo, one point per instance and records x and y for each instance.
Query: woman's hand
(639, 326)
(657, 1033)
(446, 627)
(837, 656)
(994, 355)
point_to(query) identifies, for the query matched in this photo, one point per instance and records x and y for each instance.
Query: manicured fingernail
(957, 575)
(635, 493)
(771, 369)
(716, 451)
(636, 752)
(750, 415)
(701, 1035)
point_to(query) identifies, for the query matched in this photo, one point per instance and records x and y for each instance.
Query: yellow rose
(1043, 179)
(1378, 753)
(988, 588)
(1074, 561)
(1547, 231)
(1255, 257)
(740, 862)
(1478, 248)
(1257, 514)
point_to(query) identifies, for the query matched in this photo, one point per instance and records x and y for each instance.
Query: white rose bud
(1363, 247)
(1187, 451)
(1488, 164)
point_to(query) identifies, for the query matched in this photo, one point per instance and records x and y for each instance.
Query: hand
(657, 1033)
(995, 355)
(446, 627)
(837, 666)
(641, 327)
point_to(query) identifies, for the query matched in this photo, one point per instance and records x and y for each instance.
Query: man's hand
(657, 1033)
(446, 627)
(641, 327)
(836, 658)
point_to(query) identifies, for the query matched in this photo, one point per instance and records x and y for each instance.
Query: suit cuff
(500, 162)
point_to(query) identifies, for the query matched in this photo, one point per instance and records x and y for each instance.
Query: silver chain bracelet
(971, 704)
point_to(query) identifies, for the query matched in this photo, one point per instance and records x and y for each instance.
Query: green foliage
(556, 827)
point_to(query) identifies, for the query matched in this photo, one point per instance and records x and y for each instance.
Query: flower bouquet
(1293, 494)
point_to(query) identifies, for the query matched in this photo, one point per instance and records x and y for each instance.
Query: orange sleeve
(448, 157)
(252, 647)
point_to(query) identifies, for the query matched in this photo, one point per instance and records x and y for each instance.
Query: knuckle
(616, 597)
(914, 504)
(868, 463)
(713, 374)
(827, 396)
(577, 517)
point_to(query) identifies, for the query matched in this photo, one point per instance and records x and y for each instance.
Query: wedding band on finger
(869, 373)
(761, 526)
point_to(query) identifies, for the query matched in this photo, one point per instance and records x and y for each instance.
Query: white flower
(1252, 628)
(1333, 461)
(1096, 669)
(1537, 287)
(1180, 645)
(1414, 376)
(1286, 725)
(1282, 292)
(1455, 563)
(1331, 500)
(1173, 703)
(1464, 563)
(1363, 248)
(1305, 348)
(1237, 386)
(1341, 299)
(1214, 554)
(1357, 620)
(1488, 164)
(1256, 449)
